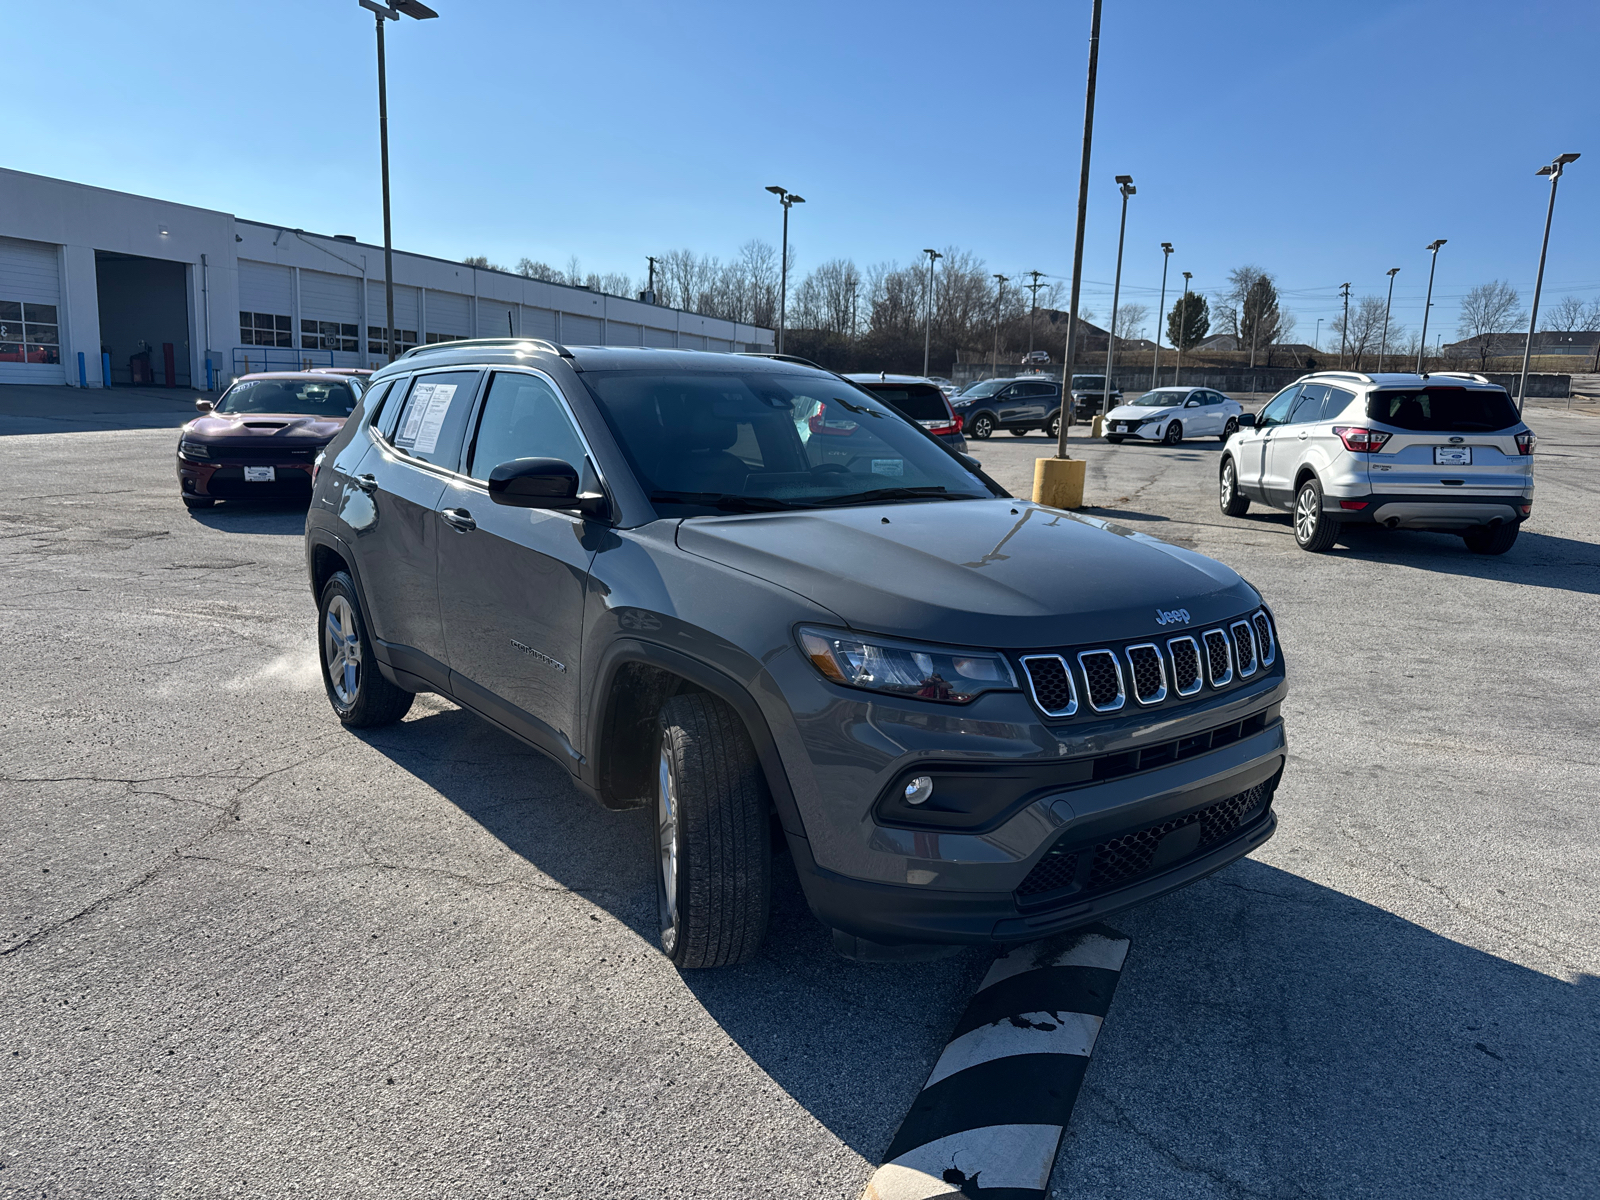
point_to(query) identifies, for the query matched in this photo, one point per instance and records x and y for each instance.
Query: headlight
(906, 668)
(193, 449)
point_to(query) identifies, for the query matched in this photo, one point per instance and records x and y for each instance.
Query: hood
(235, 427)
(1129, 412)
(997, 573)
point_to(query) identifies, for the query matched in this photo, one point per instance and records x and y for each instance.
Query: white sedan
(1171, 414)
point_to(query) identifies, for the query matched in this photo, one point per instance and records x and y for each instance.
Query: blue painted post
(83, 374)
(105, 369)
(208, 374)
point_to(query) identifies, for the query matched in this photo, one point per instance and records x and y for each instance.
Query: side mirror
(1247, 420)
(550, 483)
(204, 406)
(1192, 404)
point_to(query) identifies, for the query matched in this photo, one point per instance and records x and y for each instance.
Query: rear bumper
(1430, 511)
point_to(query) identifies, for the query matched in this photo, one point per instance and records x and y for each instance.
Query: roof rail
(1472, 375)
(1361, 376)
(458, 343)
(776, 357)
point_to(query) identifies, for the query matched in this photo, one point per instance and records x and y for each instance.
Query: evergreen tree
(1188, 321)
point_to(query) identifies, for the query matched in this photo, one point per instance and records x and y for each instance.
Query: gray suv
(753, 599)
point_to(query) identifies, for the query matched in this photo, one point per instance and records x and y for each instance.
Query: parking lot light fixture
(1065, 424)
(999, 295)
(1554, 171)
(927, 316)
(1383, 344)
(1427, 306)
(1183, 327)
(1344, 327)
(788, 199)
(1161, 313)
(1125, 186)
(381, 13)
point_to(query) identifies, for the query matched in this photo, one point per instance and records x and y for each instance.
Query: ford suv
(967, 717)
(1445, 451)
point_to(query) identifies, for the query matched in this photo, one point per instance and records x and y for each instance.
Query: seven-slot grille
(1104, 677)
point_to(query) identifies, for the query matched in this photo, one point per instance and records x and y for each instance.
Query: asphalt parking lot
(245, 952)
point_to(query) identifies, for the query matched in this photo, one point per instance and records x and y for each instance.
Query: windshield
(978, 391)
(1159, 399)
(1441, 409)
(919, 401)
(1084, 383)
(752, 441)
(307, 397)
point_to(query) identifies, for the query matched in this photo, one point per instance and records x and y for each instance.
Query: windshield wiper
(894, 493)
(724, 501)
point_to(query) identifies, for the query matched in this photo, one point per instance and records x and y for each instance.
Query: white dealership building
(97, 284)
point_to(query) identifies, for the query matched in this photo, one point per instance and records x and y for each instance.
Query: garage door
(538, 322)
(580, 331)
(448, 316)
(30, 312)
(621, 333)
(406, 314)
(666, 339)
(330, 315)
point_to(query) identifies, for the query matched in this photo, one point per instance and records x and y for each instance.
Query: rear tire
(1491, 541)
(1174, 433)
(1052, 427)
(982, 427)
(1228, 430)
(1232, 502)
(1019, 431)
(360, 695)
(1313, 530)
(713, 840)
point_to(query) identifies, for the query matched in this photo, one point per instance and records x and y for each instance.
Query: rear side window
(1440, 409)
(1309, 406)
(919, 401)
(434, 416)
(1338, 400)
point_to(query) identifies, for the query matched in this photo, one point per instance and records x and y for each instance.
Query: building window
(29, 332)
(266, 329)
(404, 339)
(329, 335)
(435, 338)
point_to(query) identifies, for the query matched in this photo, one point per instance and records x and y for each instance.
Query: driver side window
(524, 418)
(1277, 410)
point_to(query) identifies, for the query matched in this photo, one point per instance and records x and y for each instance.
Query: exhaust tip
(1393, 522)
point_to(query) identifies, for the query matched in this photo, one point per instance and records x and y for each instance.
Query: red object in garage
(166, 361)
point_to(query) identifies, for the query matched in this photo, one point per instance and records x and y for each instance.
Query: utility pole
(1427, 307)
(1125, 186)
(1077, 243)
(649, 296)
(1383, 346)
(927, 321)
(1000, 291)
(788, 200)
(855, 292)
(1344, 330)
(1316, 338)
(1183, 328)
(1161, 314)
(1034, 288)
(1554, 171)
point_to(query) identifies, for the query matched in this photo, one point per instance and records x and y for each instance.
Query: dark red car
(260, 440)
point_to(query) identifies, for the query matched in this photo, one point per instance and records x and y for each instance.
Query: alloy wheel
(667, 849)
(1306, 515)
(1229, 483)
(342, 650)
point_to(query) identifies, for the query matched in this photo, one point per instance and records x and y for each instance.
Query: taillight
(1525, 443)
(1360, 440)
(820, 424)
(942, 428)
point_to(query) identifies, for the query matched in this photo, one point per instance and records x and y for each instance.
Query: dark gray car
(759, 602)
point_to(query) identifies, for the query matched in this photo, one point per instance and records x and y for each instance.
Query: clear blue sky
(1325, 141)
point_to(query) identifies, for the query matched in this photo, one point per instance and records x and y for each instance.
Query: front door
(1250, 450)
(512, 580)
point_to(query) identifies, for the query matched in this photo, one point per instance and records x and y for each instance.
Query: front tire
(1313, 530)
(1491, 541)
(982, 427)
(1233, 503)
(1174, 433)
(360, 695)
(1052, 427)
(1115, 441)
(713, 839)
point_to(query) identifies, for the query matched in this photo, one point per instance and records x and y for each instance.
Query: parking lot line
(995, 1105)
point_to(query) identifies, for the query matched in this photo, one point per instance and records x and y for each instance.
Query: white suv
(1446, 451)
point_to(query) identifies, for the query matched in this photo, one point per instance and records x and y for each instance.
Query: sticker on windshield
(430, 403)
(888, 466)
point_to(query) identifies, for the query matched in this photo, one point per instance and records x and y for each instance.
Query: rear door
(1286, 449)
(1447, 440)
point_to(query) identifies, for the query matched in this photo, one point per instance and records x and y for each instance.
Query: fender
(727, 689)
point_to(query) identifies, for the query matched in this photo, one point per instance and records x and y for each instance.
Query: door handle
(367, 483)
(1304, 436)
(458, 519)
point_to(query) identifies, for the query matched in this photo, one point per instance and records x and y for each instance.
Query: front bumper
(1151, 431)
(224, 479)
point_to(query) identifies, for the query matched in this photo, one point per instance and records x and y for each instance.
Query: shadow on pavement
(1537, 559)
(1272, 1029)
(32, 409)
(276, 517)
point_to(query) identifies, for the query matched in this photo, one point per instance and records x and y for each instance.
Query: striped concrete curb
(990, 1118)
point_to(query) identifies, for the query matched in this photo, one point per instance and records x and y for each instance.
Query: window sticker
(430, 404)
(888, 466)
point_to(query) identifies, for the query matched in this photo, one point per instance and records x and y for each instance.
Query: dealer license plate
(1452, 456)
(1124, 427)
(260, 474)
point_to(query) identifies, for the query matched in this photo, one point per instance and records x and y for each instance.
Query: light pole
(1344, 326)
(1383, 345)
(389, 12)
(1000, 291)
(1422, 345)
(1161, 313)
(788, 200)
(927, 318)
(1316, 338)
(1554, 171)
(1183, 327)
(1125, 186)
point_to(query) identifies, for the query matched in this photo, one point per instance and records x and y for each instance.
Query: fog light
(919, 789)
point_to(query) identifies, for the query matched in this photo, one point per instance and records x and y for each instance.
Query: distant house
(1495, 345)
(1219, 342)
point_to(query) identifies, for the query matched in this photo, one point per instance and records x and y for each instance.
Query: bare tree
(1364, 330)
(1131, 320)
(1566, 315)
(531, 269)
(1489, 309)
(1230, 318)
(481, 261)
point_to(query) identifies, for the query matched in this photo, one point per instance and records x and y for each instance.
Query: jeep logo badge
(1173, 616)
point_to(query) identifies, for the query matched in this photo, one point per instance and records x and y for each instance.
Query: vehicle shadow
(276, 517)
(1537, 560)
(1276, 1029)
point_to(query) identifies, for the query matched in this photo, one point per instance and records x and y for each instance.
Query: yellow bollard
(1097, 426)
(1058, 482)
